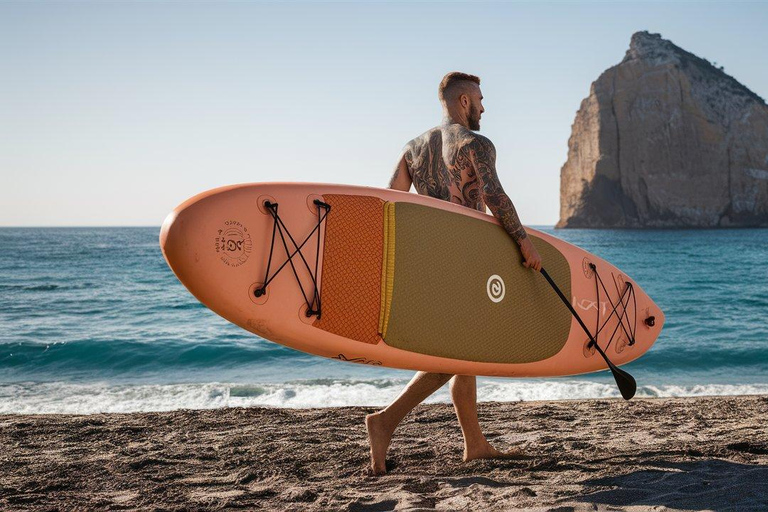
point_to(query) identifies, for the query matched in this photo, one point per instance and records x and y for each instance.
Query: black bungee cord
(625, 382)
(280, 228)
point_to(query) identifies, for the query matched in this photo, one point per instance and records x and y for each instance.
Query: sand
(661, 454)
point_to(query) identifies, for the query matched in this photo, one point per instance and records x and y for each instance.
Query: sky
(113, 113)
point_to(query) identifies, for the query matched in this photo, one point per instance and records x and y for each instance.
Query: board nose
(169, 240)
(658, 320)
(650, 322)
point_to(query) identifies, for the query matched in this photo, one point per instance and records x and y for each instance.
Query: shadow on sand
(714, 484)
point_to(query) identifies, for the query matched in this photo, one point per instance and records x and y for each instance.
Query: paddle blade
(626, 383)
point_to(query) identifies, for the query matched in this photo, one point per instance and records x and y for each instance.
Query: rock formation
(666, 139)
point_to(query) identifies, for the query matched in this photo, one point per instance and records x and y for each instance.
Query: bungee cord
(280, 228)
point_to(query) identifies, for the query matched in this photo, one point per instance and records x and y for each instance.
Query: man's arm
(483, 155)
(401, 178)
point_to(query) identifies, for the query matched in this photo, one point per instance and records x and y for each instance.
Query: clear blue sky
(113, 113)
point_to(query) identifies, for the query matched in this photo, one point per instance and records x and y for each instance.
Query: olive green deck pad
(444, 290)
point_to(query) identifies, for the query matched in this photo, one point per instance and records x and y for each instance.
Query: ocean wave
(103, 356)
(166, 350)
(704, 357)
(46, 287)
(103, 397)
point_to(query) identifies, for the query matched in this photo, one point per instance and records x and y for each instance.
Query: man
(452, 163)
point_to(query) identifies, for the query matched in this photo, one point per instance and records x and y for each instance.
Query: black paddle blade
(625, 382)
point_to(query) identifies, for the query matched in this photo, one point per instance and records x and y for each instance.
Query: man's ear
(464, 99)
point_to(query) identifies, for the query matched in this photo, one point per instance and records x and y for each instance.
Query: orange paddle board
(383, 277)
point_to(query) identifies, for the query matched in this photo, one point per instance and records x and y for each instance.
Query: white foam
(100, 397)
(69, 398)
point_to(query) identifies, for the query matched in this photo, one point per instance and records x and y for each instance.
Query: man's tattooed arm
(483, 155)
(401, 178)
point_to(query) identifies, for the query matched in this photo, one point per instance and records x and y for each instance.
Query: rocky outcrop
(666, 139)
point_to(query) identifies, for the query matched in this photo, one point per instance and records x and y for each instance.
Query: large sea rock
(666, 139)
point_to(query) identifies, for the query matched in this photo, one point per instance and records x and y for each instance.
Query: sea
(92, 320)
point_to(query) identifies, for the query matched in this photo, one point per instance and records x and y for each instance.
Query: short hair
(453, 84)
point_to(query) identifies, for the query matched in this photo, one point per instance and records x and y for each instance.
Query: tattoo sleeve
(395, 176)
(483, 155)
(401, 179)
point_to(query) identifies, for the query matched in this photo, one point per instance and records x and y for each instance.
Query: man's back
(440, 165)
(453, 163)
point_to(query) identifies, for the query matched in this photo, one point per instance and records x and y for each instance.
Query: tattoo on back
(452, 163)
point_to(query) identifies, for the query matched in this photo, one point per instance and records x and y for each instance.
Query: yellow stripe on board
(383, 307)
(387, 267)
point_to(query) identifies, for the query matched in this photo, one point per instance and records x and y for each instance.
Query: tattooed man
(453, 163)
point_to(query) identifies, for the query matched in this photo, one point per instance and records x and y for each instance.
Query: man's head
(461, 98)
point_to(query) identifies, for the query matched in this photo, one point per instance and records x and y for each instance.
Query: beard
(474, 118)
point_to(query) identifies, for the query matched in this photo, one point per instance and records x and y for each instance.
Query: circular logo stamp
(233, 243)
(585, 266)
(495, 288)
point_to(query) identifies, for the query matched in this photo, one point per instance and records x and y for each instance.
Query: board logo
(495, 288)
(233, 243)
(360, 360)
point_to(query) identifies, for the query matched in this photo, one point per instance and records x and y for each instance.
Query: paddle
(625, 382)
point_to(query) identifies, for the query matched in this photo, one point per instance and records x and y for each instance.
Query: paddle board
(389, 278)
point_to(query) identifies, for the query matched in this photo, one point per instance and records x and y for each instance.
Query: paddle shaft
(624, 380)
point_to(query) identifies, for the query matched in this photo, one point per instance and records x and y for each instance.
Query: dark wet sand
(681, 454)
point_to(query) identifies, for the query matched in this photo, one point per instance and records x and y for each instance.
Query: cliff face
(666, 139)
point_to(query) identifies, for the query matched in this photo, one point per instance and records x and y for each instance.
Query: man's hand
(530, 254)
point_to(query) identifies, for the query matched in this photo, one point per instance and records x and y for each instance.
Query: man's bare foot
(379, 437)
(486, 451)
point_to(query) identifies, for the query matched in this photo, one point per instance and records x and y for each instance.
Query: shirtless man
(453, 163)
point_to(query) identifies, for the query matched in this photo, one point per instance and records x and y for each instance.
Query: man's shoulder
(481, 142)
(466, 138)
(455, 135)
(424, 138)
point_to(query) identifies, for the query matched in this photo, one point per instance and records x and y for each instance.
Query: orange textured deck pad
(350, 291)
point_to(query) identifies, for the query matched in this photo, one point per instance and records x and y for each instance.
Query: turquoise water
(92, 319)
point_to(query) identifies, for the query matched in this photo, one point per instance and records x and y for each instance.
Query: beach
(697, 453)
(230, 231)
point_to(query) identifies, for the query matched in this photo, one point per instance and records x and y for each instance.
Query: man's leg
(476, 446)
(381, 425)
